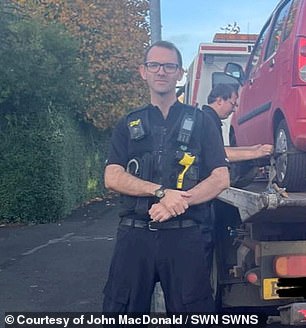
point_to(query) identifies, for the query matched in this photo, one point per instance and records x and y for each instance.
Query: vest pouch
(141, 168)
(128, 204)
(145, 173)
(191, 177)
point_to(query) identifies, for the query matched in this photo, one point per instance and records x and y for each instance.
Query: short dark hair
(167, 45)
(223, 91)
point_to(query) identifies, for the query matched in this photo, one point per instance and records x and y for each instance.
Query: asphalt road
(59, 267)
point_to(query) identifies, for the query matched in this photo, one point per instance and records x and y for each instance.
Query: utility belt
(155, 225)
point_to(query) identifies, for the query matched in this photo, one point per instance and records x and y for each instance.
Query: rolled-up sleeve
(118, 147)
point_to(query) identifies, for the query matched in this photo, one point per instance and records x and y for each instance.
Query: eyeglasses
(234, 104)
(154, 67)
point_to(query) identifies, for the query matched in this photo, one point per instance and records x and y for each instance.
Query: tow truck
(259, 260)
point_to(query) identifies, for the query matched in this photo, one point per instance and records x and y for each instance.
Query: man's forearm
(210, 187)
(117, 179)
(236, 154)
(242, 153)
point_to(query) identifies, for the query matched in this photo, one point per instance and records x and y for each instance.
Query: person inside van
(222, 101)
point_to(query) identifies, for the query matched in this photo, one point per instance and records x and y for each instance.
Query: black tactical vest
(158, 154)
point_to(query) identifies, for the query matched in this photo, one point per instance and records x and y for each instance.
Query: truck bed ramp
(269, 206)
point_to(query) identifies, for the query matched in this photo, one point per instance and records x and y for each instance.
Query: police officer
(167, 160)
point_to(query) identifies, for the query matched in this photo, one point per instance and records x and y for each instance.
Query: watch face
(160, 193)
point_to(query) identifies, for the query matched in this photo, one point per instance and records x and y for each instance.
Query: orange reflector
(291, 266)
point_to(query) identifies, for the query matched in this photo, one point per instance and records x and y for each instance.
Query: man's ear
(219, 100)
(142, 71)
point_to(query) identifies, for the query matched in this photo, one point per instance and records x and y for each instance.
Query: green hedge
(49, 164)
(50, 160)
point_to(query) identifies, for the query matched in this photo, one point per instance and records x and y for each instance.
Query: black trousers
(175, 257)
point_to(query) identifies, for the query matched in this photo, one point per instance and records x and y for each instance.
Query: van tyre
(290, 163)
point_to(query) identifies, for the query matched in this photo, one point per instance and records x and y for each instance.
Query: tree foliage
(40, 67)
(40, 64)
(113, 36)
(49, 161)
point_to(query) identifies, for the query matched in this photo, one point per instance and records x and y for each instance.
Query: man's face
(227, 107)
(161, 79)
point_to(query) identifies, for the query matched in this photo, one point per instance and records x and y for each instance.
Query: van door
(263, 83)
(248, 100)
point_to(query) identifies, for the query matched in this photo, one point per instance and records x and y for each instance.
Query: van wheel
(290, 163)
(241, 173)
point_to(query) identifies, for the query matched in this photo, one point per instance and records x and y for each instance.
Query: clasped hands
(175, 202)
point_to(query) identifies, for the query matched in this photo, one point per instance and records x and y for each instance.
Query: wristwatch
(160, 192)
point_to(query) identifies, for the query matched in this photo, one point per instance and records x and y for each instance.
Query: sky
(187, 23)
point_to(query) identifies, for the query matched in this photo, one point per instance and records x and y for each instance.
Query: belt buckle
(149, 226)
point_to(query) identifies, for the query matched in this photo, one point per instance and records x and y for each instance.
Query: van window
(290, 19)
(220, 77)
(257, 51)
(277, 28)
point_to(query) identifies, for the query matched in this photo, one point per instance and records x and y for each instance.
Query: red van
(272, 101)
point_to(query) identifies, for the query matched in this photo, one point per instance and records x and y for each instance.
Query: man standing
(167, 161)
(222, 102)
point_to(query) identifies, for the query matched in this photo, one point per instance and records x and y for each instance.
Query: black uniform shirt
(213, 153)
(213, 114)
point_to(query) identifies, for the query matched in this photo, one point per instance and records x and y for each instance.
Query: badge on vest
(136, 129)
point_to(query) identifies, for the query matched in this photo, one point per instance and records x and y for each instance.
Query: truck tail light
(253, 276)
(300, 61)
(290, 266)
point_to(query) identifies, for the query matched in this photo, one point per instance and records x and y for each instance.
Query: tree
(40, 68)
(113, 36)
(47, 157)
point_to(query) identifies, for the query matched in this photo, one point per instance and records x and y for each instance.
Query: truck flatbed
(256, 202)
